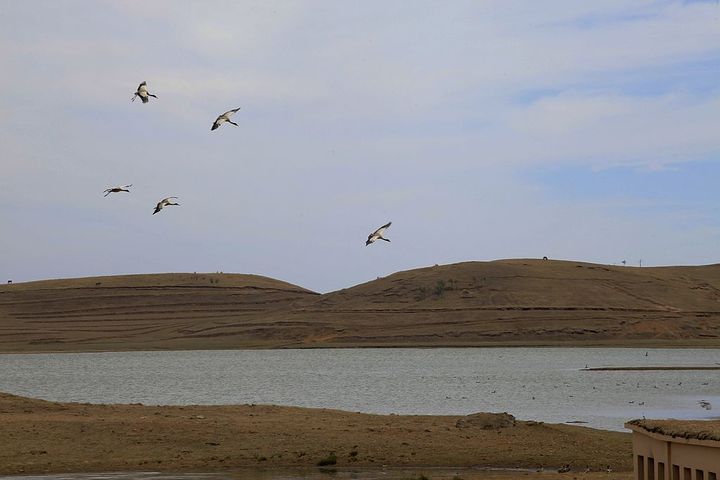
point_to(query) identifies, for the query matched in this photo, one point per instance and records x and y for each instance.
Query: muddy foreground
(46, 437)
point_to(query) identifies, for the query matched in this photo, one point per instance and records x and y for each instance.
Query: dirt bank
(38, 436)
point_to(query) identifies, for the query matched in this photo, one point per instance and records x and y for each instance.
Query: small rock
(486, 421)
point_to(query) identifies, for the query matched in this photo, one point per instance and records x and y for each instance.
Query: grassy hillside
(182, 310)
(528, 302)
(507, 302)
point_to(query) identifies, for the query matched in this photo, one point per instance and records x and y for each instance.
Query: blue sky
(482, 129)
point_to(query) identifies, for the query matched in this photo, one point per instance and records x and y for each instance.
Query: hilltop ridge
(503, 302)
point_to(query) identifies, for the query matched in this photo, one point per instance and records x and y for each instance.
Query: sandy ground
(46, 437)
(426, 473)
(362, 473)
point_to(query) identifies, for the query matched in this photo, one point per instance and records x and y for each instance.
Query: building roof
(690, 429)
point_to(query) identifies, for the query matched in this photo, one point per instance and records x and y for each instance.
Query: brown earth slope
(131, 312)
(507, 302)
(528, 302)
(39, 436)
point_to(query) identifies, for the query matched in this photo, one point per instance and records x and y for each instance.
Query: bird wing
(382, 229)
(166, 200)
(229, 112)
(142, 84)
(127, 186)
(215, 124)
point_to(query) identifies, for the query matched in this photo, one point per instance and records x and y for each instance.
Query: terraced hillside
(173, 311)
(507, 302)
(528, 302)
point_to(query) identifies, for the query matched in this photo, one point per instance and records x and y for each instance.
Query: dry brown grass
(509, 302)
(697, 429)
(39, 436)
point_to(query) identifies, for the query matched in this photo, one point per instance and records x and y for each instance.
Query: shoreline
(38, 436)
(653, 345)
(652, 368)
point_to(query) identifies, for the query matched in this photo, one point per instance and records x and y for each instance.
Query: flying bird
(164, 203)
(143, 93)
(378, 234)
(225, 117)
(124, 188)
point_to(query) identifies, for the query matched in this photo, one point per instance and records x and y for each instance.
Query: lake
(545, 384)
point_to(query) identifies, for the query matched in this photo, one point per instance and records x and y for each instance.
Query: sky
(482, 129)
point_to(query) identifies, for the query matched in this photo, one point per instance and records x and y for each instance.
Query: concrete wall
(666, 458)
(698, 457)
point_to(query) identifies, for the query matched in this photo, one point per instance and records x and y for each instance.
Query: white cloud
(353, 113)
(610, 130)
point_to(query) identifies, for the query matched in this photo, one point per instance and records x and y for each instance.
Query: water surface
(546, 384)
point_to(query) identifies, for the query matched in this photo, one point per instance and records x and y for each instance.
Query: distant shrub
(440, 288)
(422, 293)
(329, 460)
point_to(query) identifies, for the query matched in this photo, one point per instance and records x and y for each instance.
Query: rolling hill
(131, 312)
(505, 302)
